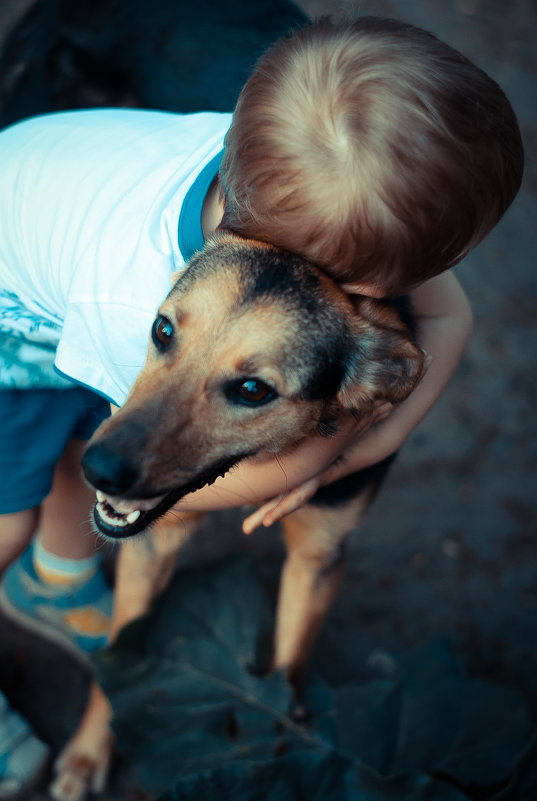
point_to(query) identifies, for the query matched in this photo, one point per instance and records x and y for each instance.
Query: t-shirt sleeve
(103, 347)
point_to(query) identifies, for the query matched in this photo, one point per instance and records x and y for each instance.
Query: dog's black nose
(106, 470)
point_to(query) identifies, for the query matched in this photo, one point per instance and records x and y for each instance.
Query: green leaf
(523, 784)
(192, 711)
(180, 681)
(311, 776)
(431, 716)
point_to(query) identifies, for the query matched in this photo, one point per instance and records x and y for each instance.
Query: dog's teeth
(111, 520)
(116, 519)
(100, 496)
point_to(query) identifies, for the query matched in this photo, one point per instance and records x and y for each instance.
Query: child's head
(371, 149)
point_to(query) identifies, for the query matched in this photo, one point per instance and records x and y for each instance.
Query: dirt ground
(450, 547)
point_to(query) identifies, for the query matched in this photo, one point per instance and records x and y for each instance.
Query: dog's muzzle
(115, 515)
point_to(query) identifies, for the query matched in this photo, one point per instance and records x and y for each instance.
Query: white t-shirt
(97, 209)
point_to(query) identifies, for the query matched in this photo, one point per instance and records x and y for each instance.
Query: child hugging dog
(369, 148)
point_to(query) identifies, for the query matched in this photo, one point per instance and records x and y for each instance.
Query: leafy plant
(200, 720)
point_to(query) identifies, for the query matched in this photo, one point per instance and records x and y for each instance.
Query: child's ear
(385, 363)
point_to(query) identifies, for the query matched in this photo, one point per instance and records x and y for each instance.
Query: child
(369, 148)
(384, 156)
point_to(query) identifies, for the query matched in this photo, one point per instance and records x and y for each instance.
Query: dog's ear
(384, 362)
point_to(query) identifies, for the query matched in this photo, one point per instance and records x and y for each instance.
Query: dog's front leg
(82, 766)
(315, 539)
(145, 566)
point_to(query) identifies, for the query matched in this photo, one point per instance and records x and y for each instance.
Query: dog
(252, 351)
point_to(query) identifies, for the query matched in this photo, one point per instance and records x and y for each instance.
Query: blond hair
(371, 149)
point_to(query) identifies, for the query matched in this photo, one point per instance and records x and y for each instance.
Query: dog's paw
(82, 767)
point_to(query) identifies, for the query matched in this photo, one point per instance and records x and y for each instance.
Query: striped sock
(55, 569)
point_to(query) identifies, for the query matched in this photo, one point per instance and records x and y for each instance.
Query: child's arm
(445, 322)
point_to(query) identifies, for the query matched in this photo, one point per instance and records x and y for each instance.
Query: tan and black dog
(252, 351)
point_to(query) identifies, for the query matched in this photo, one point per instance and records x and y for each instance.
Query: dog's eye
(162, 332)
(250, 392)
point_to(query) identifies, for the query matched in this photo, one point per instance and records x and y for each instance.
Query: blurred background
(450, 547)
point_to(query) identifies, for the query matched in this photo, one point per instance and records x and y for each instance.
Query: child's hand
(273, 510)
(282, 505)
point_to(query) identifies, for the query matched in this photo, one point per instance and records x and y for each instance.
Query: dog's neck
(212, 211)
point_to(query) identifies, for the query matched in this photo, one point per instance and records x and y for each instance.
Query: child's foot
(76, 616)
(22, 756)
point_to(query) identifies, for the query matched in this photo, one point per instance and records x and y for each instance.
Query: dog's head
(252, 350)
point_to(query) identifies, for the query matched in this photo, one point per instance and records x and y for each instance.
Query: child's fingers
(254, 520)
(291, 502)
(282, 505)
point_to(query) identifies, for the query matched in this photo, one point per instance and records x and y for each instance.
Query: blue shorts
(35, 427)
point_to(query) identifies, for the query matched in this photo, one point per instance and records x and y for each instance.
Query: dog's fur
(241, 312)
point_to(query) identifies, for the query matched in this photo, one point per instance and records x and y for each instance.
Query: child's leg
(16, 531)
(56, 587)
(65, 551)
(65, 525)
(75, 610)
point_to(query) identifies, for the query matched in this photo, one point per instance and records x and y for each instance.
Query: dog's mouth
(120, 518)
